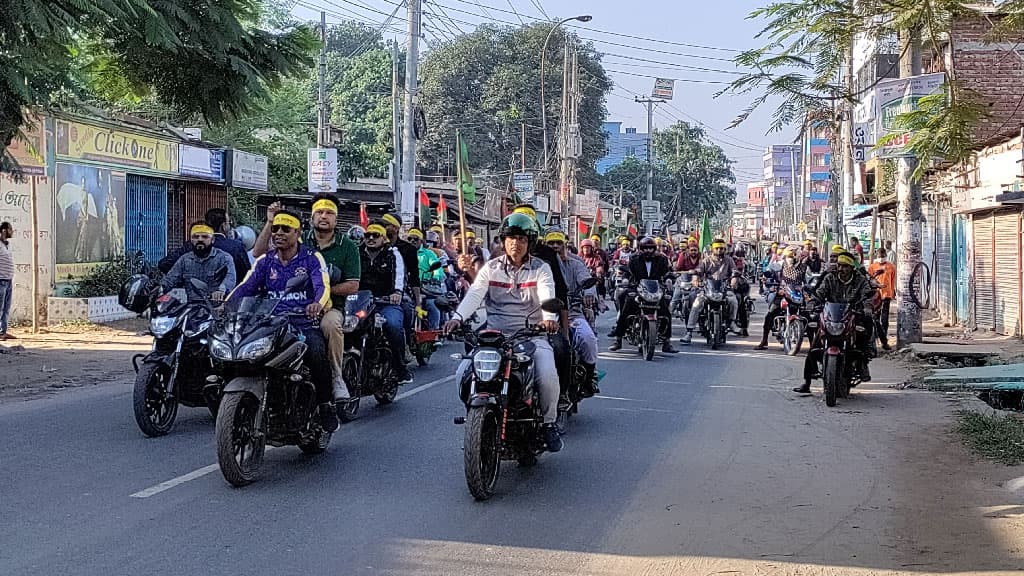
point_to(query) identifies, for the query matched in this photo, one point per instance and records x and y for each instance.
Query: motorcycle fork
(258, 426)
(504, 396)
(177, 357)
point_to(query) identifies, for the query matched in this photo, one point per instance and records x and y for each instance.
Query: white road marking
(640, 410)
(195, 474)
(1015, 484)
(617, 398)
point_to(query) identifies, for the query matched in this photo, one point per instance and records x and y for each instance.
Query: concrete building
(621, 144)
(781, 173)
(816, 183)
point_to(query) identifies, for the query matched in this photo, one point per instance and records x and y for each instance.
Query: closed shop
(187, 203)
(146, 217)
(942, 264)
(984, 271)
(997, 271)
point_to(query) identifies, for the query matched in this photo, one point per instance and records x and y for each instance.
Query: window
(630, 150)
(818, 160)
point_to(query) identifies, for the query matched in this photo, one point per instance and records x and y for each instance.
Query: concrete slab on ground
(966, 350)
(981, 378)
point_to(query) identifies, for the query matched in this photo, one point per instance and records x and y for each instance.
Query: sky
(684, 36)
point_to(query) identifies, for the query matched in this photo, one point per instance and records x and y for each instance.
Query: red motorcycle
(840, 361)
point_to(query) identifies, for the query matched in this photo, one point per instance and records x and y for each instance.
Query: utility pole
(522, 149)
(649, 102)
(408, 192)
(792, 176)
(679, 190)
(908, 213)
(396, 129)
(321, 100)
(848, 166)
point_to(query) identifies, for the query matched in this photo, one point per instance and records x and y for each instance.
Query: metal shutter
(1007, 277)
(984, 272)
(175, 217)
(942, 268)
(146, 217)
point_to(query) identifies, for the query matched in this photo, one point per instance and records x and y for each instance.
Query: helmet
(740, 252)
(433, 238)
(658, 241)
(356, 233)
(246, 236)
(518, 224)
(136, 293)
(647, 242)
(587, 242)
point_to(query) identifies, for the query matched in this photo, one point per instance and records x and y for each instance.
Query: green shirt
(343, 254)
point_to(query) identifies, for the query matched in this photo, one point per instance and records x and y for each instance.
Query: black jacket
(548, 254)
(379, 272)
(233, 247)
(638, 268)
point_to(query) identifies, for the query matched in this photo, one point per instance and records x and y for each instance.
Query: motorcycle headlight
(715, 296)
(486, 364)
(220, 349)
(350, 324)
(835, 328)
(161, 325)
(257, 349)
(203, 327)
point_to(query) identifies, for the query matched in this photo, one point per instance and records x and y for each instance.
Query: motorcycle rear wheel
(386, 396)
(650, 338)
(155, 411)
(793, 339)
(482, 451)
(239, 449)
(831, 376)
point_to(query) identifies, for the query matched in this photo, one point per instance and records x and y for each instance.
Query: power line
(694, 80)
(675, 65)
(539, 7)
(516, 13)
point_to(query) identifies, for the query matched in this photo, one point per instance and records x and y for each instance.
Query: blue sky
(719, 28)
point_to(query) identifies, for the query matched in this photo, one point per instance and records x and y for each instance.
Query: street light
(543, 102)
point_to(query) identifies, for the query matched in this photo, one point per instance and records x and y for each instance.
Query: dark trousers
(774, 311)
(316, 360)
(882, 321)
(628, 307)
(865, 340)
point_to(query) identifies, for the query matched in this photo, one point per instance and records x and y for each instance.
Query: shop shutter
(193, 199)
(942, 268)
(1007, 275)
(175, 217)
(146, 217)
(984, 272)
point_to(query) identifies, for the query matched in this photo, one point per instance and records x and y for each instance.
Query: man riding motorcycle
(647, 265)
(205, 262)
(511, 288)
(383, 274)
(583, 339)
(686, 263)
(716, 266)
(287, 259)
(792, 274)
(844, 286)
(432, 282)
(597, 265)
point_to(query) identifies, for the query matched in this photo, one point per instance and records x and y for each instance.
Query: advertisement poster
(899, 96)
(89, 226)
(79, 141)
(202, 163)
(16, 208)
(322, 170)
(523, 184)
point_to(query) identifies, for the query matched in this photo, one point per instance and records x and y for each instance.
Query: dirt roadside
(72, 356)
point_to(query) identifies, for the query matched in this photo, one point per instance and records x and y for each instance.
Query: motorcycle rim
(240, 446)
(155, 410)
(482, 451)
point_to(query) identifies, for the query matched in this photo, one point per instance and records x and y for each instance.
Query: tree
(206, 58)
(487, 83)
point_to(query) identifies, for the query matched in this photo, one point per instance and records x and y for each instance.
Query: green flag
(466, 187)
(705, 233)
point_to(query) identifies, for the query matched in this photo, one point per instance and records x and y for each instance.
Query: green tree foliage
(485, 84)
(198, 58)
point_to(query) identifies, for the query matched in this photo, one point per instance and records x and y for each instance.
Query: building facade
(781, 183)
(622, 143)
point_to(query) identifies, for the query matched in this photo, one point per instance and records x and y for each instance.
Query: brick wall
(993, 70)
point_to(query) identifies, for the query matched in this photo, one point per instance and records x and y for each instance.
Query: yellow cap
(325, 204)
(717, 245)
(391, 220)
(845, 259)
(415, 232)
(555, 236)
(837, 249)
(789, 251)
(525, 210)
(201, 229)
(807, 242)
(595, 237)
(282, 219)
(624, 242)
(377, 229)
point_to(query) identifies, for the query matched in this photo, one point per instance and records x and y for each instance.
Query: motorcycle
(573, 392)
(423, 341)
(790, 326)
(367, 366)
(642, 327)
(503, 418)
(269, 396)
(839, 360)
(745, 304)
(175, 372)
(712, 319)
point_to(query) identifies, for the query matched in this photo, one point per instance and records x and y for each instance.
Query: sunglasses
(371, 236)
(554, 243)
(281, 228)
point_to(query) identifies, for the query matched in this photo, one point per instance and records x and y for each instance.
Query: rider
(648, 265)
(511, 288)
(688, 261)
(205, 262)
(597, 265)
(844, 286)
(413, 298)
(583, 339)
(717, 266)
(812, 259)
(289, 259)
(792, 274)
(433, 278)
(383, 274)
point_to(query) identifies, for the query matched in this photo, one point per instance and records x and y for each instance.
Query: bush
(105, 280)
(999, 437)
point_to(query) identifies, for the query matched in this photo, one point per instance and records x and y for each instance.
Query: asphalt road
(697, 463)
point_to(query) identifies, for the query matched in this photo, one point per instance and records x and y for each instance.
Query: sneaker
(552, 438)
(805, 389)
(329, 417)
(667, 348)
(744, 333)
(865, 373)
(761, 346)
(404, 376)
(616, 346)
(340, 390)
(687, 337)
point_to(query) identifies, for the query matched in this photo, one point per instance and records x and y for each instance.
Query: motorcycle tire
(651, 339)
(318, 444)
(385, 397)
(422, 356)
(239, 449)
(793, 338)
(716, 331)
(155, 412)
(347, 411)
(831, 376)
(482, 451)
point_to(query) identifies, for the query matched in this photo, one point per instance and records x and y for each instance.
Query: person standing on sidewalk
(883, 272)
(6, 277)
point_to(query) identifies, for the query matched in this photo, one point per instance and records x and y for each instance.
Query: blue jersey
(269, 276)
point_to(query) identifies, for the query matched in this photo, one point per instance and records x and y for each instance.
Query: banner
(898, 96)
(523, 184)
(89, 221)
(204, 163)
(16, 208)
(663, 88)
(77, 141)
(322, 170)
(249, 171)
(31, 153)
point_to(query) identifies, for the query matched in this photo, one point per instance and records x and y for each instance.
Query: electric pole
(908, 213)
(396, 129)
(408, 189)
(649, 102)
(321, 100)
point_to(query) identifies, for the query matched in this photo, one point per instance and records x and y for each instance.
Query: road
(699, 463)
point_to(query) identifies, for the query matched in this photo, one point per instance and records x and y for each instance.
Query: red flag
(424, 209)
(582, 227)
(597, 218)
(364, 219)
(631, 230)
(442, 210)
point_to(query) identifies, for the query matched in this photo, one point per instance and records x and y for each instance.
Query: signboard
(248, 171)
(663, 88)
(554, 201)
(650, 211)
(90, 219)
(587, 203)
(201, 162)
(322, 170)
(542, 203)
(29, 148)
(861, 227)
(899, 96)
(617, 216)
(522, 183)
(77, 141)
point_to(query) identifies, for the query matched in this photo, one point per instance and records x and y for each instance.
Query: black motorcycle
(176, 370)
(714, 314)
(367, 367)
(642, 327)
(840, 361)
(269, 396)
(503, 410)
(574, 391)
(791, 324)
(745, 304)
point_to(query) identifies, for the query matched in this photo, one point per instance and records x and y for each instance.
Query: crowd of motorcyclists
(438, 281)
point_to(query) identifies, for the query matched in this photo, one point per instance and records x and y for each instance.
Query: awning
(883, 206)
(1010, 198)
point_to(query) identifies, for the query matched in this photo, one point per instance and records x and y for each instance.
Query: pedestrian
(857, 250)
(884, 272)
(6, 277)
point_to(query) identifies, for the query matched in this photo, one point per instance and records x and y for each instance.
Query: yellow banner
(87, 142)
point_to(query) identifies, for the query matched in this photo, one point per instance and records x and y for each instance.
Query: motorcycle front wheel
(831, 375)
(715, 334)
(482, 451)
(239, 446)
(793, 339)
(154, 409)
(650, 338)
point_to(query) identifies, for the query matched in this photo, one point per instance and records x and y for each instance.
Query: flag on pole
(465, 185)
(631, 230)
(364, 219)
(424, 209)
(581, 227)
(705, 233)
(442, 210)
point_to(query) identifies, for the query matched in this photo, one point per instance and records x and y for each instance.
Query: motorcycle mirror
(588, 283)
(334, 273)
(553, 305)
(295, 283)
(198, 284)
(219, 277)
